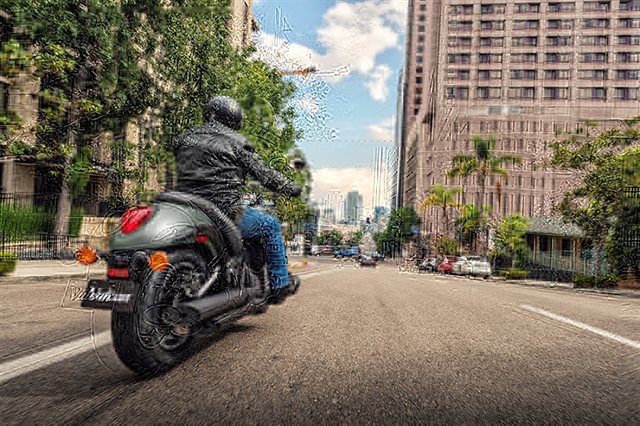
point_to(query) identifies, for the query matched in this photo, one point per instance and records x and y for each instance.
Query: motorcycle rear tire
(129, 328)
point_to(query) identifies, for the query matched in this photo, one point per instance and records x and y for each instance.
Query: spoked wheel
(155, 336)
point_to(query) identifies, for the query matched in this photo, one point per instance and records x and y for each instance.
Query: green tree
(329, 238)
(483, 162)
(463, 167)
(441, 196)
(398, 231)
(354, 238)
(444, 245)
(472, 223)
(510, 236)
(600, 158)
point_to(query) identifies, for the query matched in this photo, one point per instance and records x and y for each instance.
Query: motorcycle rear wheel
(154, 336)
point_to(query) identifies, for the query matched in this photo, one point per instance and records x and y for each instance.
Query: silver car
(471, 265)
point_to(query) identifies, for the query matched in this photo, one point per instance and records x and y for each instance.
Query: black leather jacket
(212, 162)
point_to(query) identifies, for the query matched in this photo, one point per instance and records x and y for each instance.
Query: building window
(527, 24)
(597, 6)
(461, 9)
(418, 80)
(557, 57)
(629, 4)
(593, 74)
(419, 70)
(489, 74)
(527, 8)
(519, 58)
(459, 58)
(459, 42)
(493, 8)
(595, 23)
(594, 41)
(557, 74)
(592, 93)
(561, 7)
(419, 59)
(629, 39)
(628, 56)
(460, 25)
(594, 57)
(457, 92)
(421, 38)
(490, 58)
(560, 41)
(626, 93)
(423, 7)
(491, 41)
(560, 24)
(417, 100)
(523, 74)
(492, 25)
(420, 28)
(543, 242)
(627, 74)
(565, 246)
(524, 41)
(521, 92)
(556, 93)
(629, 23)
(488, 92)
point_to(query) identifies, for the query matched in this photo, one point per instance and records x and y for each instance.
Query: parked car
(446, 263)
(322, 250)
(428, 265)
(367, 261)
(375, 255)
(471, 265)
(346, 252)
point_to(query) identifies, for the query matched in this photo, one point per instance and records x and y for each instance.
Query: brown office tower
(523, 71)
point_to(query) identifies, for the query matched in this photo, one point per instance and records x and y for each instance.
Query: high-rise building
(523, 71)
(353, 207)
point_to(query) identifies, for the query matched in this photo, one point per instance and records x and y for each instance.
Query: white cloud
(377, 83)
(353, 35)
(309, 104)
(382, 131)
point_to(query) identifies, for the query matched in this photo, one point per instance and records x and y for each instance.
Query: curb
(20, 279)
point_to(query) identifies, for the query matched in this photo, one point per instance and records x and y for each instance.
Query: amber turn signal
(158, 260)
(86, 255)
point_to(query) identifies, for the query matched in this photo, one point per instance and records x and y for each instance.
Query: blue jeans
(256, 224)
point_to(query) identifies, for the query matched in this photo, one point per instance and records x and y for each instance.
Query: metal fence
(26, 227)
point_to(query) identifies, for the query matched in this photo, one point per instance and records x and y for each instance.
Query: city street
(353, 346)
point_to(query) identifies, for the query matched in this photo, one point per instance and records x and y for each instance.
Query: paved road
(353, 346)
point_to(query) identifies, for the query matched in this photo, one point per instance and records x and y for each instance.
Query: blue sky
(344, 117)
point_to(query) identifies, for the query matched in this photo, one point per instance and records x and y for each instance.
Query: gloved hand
(296, 190)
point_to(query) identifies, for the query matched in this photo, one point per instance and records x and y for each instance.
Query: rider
(212, 161)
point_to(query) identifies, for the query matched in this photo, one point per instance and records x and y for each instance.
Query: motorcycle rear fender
(169, 225)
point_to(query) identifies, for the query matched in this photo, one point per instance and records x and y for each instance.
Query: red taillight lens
(133, 218)
(118, 273)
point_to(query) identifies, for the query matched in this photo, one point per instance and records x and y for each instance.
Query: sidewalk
(568, 286)
(39, 270)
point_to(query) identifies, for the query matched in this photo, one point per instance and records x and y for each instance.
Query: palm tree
(471, 223)
(483, 162)
(463, 167)
(441, 196)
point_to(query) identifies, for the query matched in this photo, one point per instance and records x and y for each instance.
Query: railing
(42, 246)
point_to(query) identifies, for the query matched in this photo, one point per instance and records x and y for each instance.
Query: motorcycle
(175, 268)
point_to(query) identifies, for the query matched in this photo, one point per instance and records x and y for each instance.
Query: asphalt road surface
(353, 346)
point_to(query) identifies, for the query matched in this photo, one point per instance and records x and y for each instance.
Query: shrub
(584, 281)
(19, 222)
(514, 274)
(607, 281)
(75, 221)
(8, 262)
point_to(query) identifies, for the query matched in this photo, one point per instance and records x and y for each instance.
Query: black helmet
(224, 110)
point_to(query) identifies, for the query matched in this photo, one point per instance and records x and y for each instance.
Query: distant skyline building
(522, 71)
(379, 196)
(353, 207)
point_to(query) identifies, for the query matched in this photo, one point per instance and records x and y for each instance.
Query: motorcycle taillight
(133, 218)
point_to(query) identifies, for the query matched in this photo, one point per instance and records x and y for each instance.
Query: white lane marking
(316, 273)
(583, 326)
(29, 363)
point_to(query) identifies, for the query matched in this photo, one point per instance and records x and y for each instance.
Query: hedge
(8, 262)
(514, 274)
(584, 281)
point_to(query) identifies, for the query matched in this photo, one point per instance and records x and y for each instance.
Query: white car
(471, 265)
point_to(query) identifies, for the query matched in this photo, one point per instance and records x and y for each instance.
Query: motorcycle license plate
(102, 294)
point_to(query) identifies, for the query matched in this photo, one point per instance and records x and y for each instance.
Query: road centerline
(583, 326)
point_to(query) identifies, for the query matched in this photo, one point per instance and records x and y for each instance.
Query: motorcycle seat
(231, 234)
